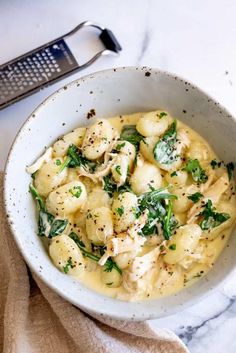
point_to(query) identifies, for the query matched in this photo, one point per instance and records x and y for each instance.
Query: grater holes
(31, 72)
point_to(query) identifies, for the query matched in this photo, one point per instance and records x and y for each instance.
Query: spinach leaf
(109, 265)
(75, 159)
(45, 220)
(212, 219)
(165, 151)
(230, 169)
(118, 147)
(169, 222)
(37, 197)
(124, 188)
(57, 227)
(194, 168)
(159, 211)
(47, 225)
(110, 186)
(195, 197)
(130, 134)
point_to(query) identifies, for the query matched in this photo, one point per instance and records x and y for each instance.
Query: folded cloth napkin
(33, 319)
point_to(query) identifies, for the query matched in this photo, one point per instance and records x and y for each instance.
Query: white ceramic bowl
(112, 92)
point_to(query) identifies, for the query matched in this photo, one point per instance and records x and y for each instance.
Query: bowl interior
(110, 93)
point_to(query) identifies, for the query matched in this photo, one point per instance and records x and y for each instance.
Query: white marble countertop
(195, 39)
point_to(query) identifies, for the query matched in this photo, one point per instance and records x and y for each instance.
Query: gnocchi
(145, 177)
(99, 225)
(48, 177)
(97, 139)
(66, 255)
(123, 209)
(66, 199)
(153, 123)
(135, 207)
(75, 137)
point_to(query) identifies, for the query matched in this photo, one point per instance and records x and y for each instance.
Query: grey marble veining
(195, 39)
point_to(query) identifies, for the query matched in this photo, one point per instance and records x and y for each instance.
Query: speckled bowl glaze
(105, 94)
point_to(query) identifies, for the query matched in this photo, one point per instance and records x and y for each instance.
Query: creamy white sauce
(170, 279)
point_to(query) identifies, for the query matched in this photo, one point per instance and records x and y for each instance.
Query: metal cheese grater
(41, 67)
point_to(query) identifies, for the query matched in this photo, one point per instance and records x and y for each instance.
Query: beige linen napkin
(33, 319)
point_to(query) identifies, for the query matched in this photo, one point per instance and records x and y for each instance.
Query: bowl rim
(7, 207)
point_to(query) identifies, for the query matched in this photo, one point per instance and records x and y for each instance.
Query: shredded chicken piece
(38, 164)
(187, 261)
(134, 279)
(101, 172)
(104, 169)
(127, 241)
(142, 264)
(138, 225)
(213, 193)
(211, 176)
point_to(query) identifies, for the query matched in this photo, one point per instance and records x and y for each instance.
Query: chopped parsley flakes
(194, 168)
(211, 218)
(118, 169)
(68, 265)
(172, 247)
(120, 210)
(162, 114)
(58, 162)
(76, 191)
(195, 197)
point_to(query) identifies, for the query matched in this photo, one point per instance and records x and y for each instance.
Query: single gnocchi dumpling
(49, 176)
(200, 151)
(67, 199)
(120, 169)
(124, 208)
(146, 148)
(66, 255)
(183, 243)
(123, 260)
(75, 137)
(145, 177)
(99, 225)
(128, 149)
(177, 178)
(183, 203)
(97, 198)
(97, 139)
(111, 279)
(153, 123)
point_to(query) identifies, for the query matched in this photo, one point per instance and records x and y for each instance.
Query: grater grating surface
(27, 74)
(46, 64)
